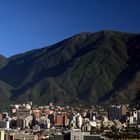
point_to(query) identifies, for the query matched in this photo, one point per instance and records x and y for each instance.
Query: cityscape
(31, 122)
(69, 69)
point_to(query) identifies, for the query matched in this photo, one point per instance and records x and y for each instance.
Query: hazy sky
(30, 24)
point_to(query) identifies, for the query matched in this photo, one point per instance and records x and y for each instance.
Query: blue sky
(30, 24)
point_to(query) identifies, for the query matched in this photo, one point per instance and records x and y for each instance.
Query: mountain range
(88, 68)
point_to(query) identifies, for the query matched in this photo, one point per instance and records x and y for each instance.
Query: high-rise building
(114, 112)
(37, 113)
(2, 135)
(22, 113)
(61, 119)
(58, 120)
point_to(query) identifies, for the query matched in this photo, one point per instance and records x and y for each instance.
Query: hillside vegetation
(89, 68)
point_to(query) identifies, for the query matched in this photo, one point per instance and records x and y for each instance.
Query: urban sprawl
(31, 122)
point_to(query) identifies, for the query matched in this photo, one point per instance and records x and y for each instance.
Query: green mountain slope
(101, 67)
